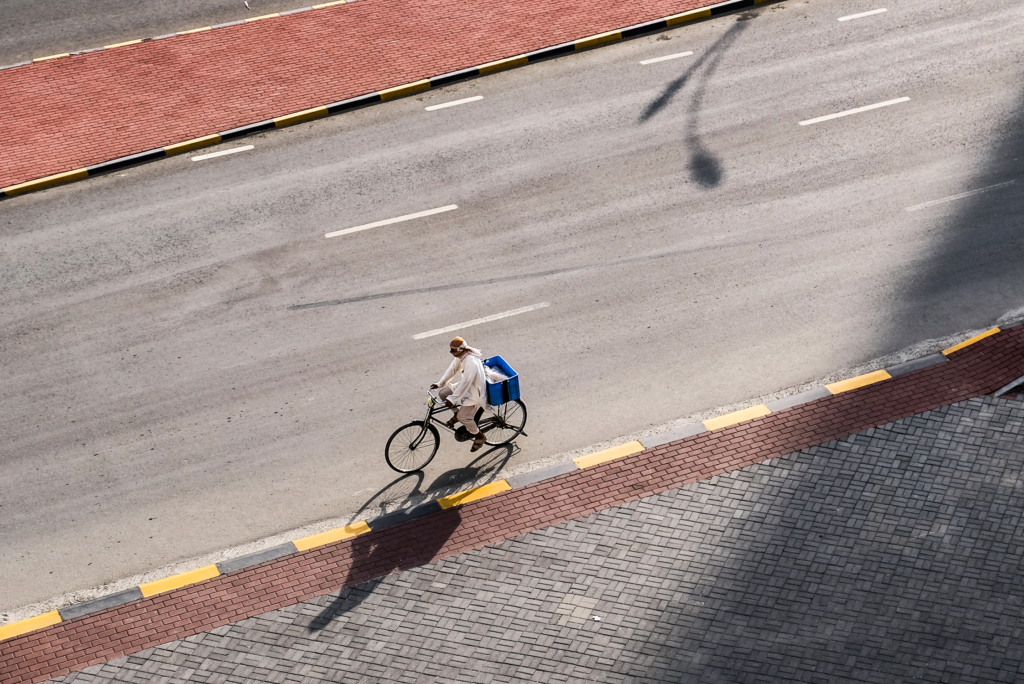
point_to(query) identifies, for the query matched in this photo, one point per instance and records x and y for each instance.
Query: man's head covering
(459, 344)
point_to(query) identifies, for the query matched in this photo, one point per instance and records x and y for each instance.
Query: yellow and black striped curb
(375, 97)
(476, 493)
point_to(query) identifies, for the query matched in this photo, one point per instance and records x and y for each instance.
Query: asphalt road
(697, 247)
(35, 29)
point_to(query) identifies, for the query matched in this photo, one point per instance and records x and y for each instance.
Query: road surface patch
(858, 110)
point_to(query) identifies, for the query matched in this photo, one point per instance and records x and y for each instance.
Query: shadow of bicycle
(407, 491)
(401, 499)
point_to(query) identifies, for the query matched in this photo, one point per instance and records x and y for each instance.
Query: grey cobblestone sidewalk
(893, 555)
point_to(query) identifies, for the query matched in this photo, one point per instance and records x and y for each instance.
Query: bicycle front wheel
(411, 447)
(506, 424)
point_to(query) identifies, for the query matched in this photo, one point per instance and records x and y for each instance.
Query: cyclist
(469, 393)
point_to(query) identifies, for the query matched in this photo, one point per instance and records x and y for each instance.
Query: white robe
(471, 389)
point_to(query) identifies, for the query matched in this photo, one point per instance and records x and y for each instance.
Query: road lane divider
(666, 58)
(952, 198)
(858, 110)
(434, 108)
(478, 321)
(223, 153)
(388, 222)
(863, 14)
(360, 101)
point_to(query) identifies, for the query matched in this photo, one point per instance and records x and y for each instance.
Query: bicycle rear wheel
(411, 447)
(505, 425)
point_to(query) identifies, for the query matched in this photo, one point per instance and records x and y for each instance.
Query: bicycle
(412, 446)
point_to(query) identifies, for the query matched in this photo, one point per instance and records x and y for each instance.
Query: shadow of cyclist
(377, 554)
(483, 469)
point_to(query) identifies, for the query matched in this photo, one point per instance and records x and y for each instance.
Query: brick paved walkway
(892, 555)
(975, 370)
(75, 111)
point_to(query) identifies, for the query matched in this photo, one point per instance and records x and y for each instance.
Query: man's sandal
(478, 442)
(452, 421)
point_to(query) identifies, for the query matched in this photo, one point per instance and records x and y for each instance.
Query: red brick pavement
(72, 112)
(978, 369)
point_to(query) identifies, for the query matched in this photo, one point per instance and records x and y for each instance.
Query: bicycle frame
(434, 407)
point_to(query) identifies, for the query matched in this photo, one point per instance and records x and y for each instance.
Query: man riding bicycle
(469, 393)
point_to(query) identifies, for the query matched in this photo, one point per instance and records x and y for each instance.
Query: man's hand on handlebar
(447, 402)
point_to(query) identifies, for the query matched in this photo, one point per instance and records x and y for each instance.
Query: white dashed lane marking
(222, 153)
(858, 110)
(960, 196)
(478, 321)
(666, 57)
(455, 102)
(387, 222)
(862, 14)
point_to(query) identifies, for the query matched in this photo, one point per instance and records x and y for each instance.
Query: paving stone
(901, 564)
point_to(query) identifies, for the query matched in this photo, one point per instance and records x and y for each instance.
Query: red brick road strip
(981, 368)
(68, 118)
